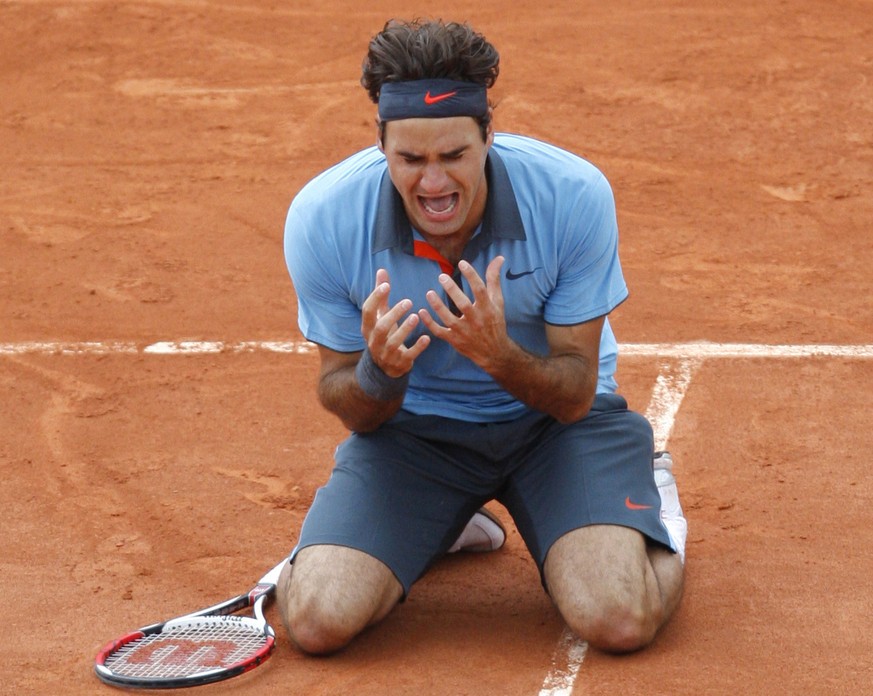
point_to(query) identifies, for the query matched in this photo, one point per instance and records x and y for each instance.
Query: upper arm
(340, 393)
(575, 351)
(577, 339)
(333, 361)
(336, 372)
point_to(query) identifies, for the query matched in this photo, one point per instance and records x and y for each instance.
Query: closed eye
(450, 156)
(454, 154)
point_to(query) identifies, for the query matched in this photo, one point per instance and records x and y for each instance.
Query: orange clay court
(149, 151)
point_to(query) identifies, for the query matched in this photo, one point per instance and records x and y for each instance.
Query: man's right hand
(386, 331)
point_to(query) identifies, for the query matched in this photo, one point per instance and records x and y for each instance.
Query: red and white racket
(200, 648)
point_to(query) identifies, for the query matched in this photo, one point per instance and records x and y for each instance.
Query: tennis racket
(200, 648)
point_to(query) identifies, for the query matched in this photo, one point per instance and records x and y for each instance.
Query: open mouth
(440, 207)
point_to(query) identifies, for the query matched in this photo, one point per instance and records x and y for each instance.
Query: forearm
(561, 385)
(340, 393)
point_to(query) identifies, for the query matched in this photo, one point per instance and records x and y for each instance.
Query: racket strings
(207, 644)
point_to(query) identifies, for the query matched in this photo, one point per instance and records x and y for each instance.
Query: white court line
(746, 350)
(566, 662)
(667, 396)
(661, 350)
(158, 348)
(670, 388)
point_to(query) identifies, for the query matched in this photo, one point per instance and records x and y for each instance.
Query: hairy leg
(332, 593)
(612, 590)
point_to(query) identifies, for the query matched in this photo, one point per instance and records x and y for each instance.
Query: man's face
(438, 166)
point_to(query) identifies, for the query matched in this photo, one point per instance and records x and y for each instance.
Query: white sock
(481, 534)
(671, 511)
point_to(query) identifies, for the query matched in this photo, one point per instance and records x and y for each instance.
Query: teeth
(448, 209)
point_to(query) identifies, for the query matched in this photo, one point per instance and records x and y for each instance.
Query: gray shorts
(404, 493)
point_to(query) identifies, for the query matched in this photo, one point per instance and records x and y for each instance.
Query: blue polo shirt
(550, 213)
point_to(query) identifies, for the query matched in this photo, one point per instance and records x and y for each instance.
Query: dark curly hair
(423, 49)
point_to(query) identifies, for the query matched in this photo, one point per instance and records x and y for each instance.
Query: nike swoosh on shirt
(435, 99)
(514, 276)
(631, 505)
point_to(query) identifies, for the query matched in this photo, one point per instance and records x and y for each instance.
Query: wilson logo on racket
(187, 652)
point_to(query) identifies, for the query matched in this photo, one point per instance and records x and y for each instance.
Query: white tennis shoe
(482, 533)
(671, 510)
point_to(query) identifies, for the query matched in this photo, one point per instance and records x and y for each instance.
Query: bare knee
(602, 582)
(318, 632)
(315, 628)
(325, 604)
(617, 629)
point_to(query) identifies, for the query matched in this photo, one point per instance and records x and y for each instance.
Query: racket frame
(256, 598)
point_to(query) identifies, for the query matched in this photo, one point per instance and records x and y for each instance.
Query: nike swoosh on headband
(437, 98)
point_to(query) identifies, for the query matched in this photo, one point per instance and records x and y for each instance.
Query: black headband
(432, 98)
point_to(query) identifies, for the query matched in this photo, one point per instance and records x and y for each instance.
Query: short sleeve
(326, 313)
(590, 282)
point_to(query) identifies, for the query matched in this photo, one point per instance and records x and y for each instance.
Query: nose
(433, 178)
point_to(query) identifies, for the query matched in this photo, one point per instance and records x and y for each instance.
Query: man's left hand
(479, 331)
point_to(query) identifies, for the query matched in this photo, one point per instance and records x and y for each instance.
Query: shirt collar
(501, 219)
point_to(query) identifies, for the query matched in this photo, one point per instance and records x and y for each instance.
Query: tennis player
(457, 283)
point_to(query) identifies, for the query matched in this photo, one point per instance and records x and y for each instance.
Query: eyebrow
(451, 153)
